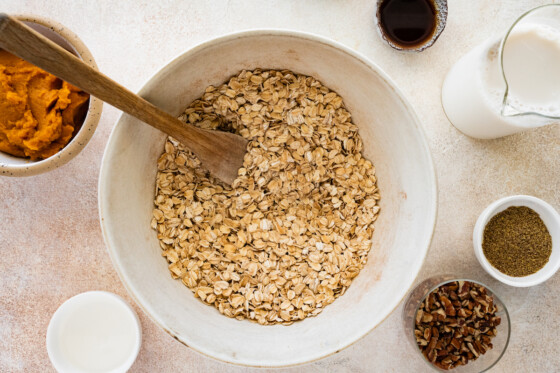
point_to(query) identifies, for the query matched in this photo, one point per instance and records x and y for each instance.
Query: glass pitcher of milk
(508, 85)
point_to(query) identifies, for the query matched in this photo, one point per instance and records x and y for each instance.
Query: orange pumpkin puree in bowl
(39, 113)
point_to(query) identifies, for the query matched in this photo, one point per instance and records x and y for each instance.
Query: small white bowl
(61, 35)
(551, 219)
(86, 330)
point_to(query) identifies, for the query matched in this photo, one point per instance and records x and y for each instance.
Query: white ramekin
(59, 360)
(551, 219)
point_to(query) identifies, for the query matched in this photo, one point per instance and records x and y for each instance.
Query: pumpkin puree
(38, 111)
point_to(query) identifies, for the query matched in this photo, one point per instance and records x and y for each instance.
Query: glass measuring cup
(510, 84)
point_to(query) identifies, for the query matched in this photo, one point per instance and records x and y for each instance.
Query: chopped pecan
(449, 309)
(464, 287)
(439, 314)
(427, 318)
(456, 343)
(430, 301)
(419, 316)
(456, 323)
(463, 312)
(427, 333)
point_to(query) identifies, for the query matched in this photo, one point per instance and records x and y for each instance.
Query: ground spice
(517, 242)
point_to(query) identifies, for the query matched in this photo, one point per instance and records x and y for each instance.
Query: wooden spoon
(220, 152)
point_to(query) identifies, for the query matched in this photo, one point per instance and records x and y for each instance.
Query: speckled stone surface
(51, 243)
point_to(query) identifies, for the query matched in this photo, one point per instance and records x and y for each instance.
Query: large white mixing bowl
(393, 141)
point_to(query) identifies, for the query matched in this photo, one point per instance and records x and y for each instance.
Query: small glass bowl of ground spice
(456, 324)
(517, 240)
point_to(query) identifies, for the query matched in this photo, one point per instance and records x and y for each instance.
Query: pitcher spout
(508, 110)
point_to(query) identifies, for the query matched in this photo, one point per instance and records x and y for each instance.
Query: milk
(93, 332)
(473, 91)
(532, 68)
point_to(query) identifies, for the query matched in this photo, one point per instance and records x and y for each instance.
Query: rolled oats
(294, 229)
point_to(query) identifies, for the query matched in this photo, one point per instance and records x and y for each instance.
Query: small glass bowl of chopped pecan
(457, 324)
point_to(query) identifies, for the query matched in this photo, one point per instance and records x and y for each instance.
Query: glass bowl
(499, 342)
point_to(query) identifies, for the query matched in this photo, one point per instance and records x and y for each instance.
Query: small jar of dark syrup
(411, 25)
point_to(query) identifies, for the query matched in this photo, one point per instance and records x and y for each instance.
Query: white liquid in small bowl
(92, 332)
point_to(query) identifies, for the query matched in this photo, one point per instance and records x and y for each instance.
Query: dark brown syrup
(408, 23)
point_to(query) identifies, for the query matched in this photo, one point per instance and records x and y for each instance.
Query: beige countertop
(51, 243)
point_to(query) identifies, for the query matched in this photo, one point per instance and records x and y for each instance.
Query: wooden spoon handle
(222, 153)
(24, 42)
